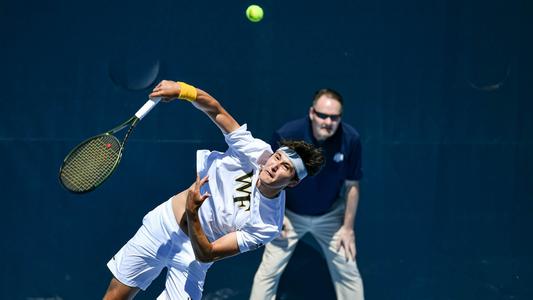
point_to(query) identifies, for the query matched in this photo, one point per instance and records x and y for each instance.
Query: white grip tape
(147, 107)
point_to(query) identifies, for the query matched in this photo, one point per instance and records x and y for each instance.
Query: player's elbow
(204, 255)
(204, 258)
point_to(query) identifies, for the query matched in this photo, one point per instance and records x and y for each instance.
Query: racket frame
(139, 115)
(131, 122)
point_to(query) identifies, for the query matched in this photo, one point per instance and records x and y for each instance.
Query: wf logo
(243, 190)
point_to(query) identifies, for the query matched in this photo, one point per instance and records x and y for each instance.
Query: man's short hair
(328, 92)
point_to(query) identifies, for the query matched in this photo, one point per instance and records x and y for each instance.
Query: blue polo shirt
(315, 195)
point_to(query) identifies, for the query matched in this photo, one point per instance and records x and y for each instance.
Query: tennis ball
(254, 13)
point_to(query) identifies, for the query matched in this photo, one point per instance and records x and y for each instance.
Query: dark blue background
(439, 90)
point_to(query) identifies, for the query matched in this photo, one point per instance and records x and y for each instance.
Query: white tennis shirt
(235, 203)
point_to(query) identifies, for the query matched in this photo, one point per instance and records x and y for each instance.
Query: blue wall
(440, 91)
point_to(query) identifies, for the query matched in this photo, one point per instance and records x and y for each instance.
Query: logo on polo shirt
(243, 190)
(338, 157)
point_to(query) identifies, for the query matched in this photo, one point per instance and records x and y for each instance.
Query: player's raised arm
(170, 90)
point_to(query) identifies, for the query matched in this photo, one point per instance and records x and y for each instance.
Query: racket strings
(91, 163)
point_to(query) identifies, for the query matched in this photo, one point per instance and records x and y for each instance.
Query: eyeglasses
(323, 116)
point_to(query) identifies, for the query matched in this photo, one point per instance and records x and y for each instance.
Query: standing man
(324, 205)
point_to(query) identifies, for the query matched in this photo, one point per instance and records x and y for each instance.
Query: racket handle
(147, 107)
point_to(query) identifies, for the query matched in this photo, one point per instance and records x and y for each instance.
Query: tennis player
(235, 205)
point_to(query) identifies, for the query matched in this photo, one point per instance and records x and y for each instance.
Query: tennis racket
(91, 162)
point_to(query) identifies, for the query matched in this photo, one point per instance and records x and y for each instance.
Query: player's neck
(267, 191)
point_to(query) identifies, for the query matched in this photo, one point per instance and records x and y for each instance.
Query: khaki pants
(344, 274)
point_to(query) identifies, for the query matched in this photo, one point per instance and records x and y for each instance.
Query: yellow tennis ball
(254, 13)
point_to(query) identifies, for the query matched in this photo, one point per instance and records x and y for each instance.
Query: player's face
(278, 172)
(325, 117)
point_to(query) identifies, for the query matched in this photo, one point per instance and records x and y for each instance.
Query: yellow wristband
(187, 92)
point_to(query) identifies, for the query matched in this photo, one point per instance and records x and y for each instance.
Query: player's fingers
(197, 182)
(167, 84)
(160, 94)
(205, 196)
(204, 180)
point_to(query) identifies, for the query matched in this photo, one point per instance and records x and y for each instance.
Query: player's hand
(168, 90)
(194, 198)
(346, 241)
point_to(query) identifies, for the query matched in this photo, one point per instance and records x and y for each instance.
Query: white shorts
(160, 243)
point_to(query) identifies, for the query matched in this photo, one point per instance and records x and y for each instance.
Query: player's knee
(119, 291)
(117, 295)
(112, 294)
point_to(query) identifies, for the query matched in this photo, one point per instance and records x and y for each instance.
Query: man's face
(325, 117)
(278, 172)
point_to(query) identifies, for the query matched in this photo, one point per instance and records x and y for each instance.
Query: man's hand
(346, 240)
(167, 90)
(194, 198)
(286, 228)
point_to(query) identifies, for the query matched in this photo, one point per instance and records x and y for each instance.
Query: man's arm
(204, 250)
(346, 232)
(170, 90)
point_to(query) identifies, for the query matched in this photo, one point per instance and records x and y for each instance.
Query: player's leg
(119, 291)
(276, 257)
(183, 283)
(134, 267)
(141, 259)
(186, 276)
(344, 273)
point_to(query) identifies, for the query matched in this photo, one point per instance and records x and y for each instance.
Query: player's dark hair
(311, 155)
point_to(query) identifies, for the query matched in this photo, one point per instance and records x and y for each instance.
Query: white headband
(296, 161)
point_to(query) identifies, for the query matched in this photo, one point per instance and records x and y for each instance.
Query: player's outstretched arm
(171, 90)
